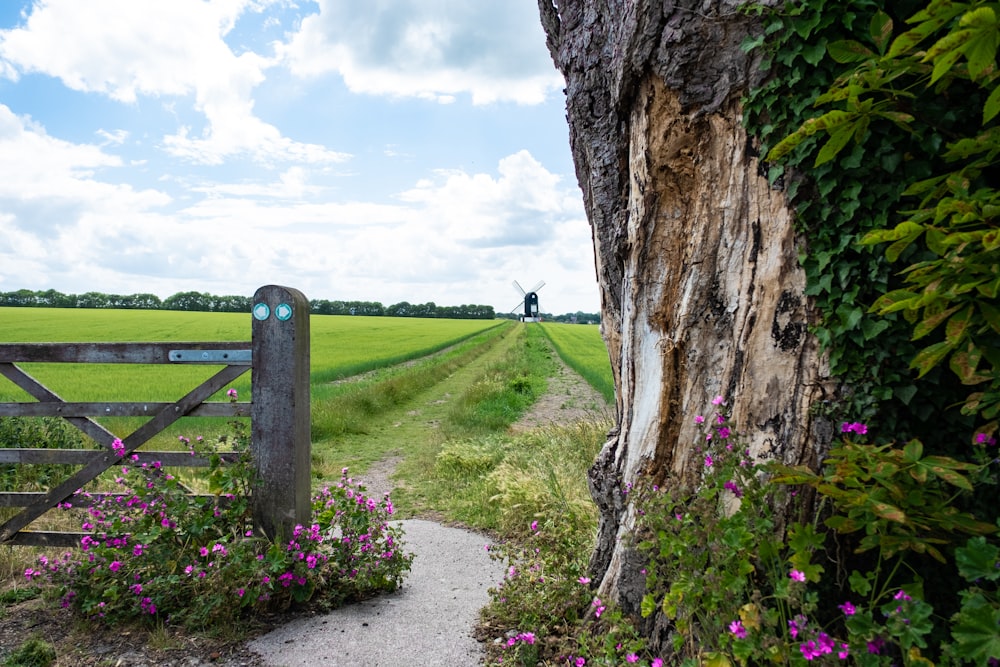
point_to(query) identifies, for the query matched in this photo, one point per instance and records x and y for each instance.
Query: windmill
(530, 303)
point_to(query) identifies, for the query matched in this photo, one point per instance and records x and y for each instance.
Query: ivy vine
(847, 189)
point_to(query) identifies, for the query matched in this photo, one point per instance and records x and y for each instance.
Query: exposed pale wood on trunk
(697, 259)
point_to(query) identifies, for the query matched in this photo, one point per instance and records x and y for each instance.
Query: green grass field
(581, 347)
(340, 347)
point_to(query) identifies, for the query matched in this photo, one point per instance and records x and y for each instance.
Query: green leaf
(930, 356)
(880, 29)
(913, 451)
(947, 57)
(849, 51)
(991, 314)
(975, 630)
(888, 512)
(955, 329)
(928, 324)
(899, 299)
(978, 560)
(860, 583)
(991, 106)
(965, 364)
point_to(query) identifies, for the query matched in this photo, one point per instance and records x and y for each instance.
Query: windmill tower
(530, 303)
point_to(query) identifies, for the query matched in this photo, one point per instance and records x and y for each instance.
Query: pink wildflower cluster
(819, 645)
(854, 427)
(985, 439)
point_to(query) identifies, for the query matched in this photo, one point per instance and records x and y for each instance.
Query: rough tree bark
(696, 255)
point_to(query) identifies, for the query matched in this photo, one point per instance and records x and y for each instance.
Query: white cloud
(429, 49)
(36, 166)
(126, 49)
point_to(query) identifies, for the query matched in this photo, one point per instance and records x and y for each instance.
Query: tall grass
(502, 482)
(581, 347)
(498, 398)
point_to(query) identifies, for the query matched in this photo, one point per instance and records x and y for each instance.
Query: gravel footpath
(429, 621)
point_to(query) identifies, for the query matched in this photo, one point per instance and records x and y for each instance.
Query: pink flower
(854, 427)
(699, 419)
(534, 526)
(810, 650)
(797, 575)
(657, 662)
(718, 400)
(580, 662)
(847, 608)
(708, 461)
(584, 580)
(115, 566)
(118, 447)
(843, 652)
(736, 627)
(232, 394)
(631, 657)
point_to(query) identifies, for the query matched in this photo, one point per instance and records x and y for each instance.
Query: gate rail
(278, 358)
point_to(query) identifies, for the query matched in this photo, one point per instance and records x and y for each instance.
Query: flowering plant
(155, 552)
(732, 589)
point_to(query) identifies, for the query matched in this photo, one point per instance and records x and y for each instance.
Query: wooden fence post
(280, 431)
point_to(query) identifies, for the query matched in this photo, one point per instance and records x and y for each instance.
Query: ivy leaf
(849, 51)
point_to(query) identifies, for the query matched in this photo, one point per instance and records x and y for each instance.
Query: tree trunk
(696, 255)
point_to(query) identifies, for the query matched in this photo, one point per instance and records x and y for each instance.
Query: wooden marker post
(280, 431)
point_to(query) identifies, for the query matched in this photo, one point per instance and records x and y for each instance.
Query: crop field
(581, 347)
(340, 346)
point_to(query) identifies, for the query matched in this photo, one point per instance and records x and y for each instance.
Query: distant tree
(92, 300)
(401, 309)
(193, 301)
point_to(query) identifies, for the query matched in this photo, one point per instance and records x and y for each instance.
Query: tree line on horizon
(204, 302)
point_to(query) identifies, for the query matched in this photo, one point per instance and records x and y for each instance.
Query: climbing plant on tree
(932, 79)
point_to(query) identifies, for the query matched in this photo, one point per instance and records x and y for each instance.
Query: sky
(385, 150)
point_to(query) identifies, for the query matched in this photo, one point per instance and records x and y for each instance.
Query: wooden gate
(278, 358)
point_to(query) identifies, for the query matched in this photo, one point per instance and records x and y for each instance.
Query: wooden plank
(136, 439)
(54, 409)
(27, 498)
(44, 538)
(109, 353)
(85, 456)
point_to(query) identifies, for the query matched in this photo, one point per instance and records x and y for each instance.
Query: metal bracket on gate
(229, 357)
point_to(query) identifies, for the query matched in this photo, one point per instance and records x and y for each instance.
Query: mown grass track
(582, 348)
